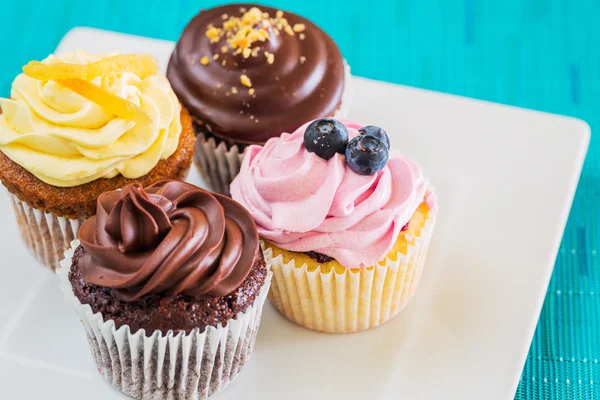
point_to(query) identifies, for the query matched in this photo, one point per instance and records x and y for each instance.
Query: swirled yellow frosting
(66, 140)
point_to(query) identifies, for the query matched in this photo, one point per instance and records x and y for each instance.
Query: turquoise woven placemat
(540, 54)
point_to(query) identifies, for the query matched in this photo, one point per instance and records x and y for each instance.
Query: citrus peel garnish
(142, 65)
(77, 78)
(110, 102)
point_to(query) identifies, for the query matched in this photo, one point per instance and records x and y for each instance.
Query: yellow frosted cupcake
(81, 124)
(346, 223)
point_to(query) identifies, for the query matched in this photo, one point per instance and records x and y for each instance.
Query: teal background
(540, 54)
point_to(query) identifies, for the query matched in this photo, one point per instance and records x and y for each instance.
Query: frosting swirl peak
(170, 238)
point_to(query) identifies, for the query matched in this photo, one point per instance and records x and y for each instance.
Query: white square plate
(505, 178)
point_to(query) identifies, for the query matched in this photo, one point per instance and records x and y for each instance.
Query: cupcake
(169, 282)
(346, 223)
(248, 73)
(78, 125)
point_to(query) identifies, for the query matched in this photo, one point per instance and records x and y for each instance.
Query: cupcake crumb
(302, 59)
(234, 90)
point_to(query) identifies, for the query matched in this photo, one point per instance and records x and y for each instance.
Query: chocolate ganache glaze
(170, 238)
(294, 71)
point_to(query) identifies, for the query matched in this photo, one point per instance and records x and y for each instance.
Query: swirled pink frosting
(301, 202)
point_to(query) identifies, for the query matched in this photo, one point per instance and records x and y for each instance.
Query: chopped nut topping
(204, 60)
(288, 29)
(242, 34)
(213, 33)
(302, 36)
(299, 28)
(234, 90)
(270, 57)
(219, 85)
(224, 62)
(251, 91)
(302, 59)
(245, 81)
(215, 56)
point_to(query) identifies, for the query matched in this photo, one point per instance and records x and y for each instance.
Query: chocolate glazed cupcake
(169, 282)
(247, 74)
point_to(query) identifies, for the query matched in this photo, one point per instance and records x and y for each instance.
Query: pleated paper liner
(46, 235)
(219, 165)
(171, 366)
(354, 300)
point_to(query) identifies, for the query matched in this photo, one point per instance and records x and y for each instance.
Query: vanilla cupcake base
(171, 366)
(353, 300)
(219, 165)
(46, 235)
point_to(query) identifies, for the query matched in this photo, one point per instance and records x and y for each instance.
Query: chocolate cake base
(179, 313)
(318, 257)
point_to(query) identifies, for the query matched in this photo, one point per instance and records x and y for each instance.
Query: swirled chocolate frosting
(249, 76)
(167, 239)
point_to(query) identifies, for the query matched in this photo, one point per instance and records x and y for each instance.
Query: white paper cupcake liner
(354, 300)
(46, 235)
(173, 366)
(219, 165)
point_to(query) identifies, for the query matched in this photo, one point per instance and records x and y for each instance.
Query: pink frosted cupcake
(346, 223)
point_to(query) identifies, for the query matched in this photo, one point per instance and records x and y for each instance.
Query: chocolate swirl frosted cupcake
(247, 74)
(169, 282)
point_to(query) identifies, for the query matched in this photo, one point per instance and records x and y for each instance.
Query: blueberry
(366, 154)
(325, 137)
(377, 132)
